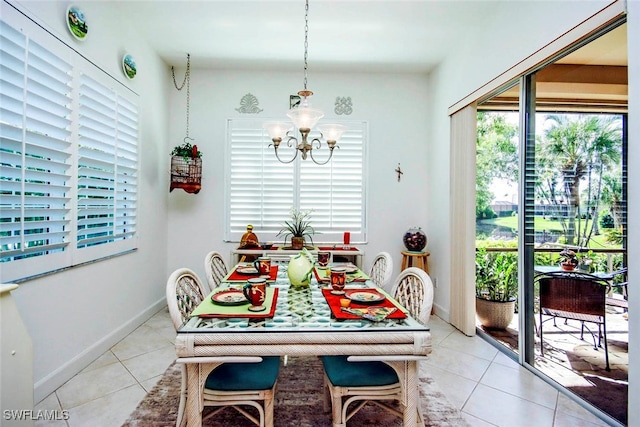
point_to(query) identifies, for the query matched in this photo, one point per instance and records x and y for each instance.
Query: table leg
(411, 394)
(193, 408)
(407, 371)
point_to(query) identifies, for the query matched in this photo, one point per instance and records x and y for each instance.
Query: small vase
(415, 240)
(566, 266)
(300, 269)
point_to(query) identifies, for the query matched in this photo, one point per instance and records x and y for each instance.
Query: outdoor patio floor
(576, 365)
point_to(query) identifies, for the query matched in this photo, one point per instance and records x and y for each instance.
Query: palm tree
(612, 196)
(496, 156)
(571, 145)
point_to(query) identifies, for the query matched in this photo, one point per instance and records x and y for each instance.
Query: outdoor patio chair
(372, 380)
(575, 296)
(234, 381)
(216, 269)
(381, 270)
(618, 302)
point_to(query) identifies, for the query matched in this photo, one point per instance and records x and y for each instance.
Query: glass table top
(299, 309)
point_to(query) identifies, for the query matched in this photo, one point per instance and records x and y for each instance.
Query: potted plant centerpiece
(568, 260)
(186, 167)
(496, 288)
(298, 227)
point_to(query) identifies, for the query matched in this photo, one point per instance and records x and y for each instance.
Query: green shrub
(496, 275)
(606, 221)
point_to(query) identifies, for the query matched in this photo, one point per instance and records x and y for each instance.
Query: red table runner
(336, 309)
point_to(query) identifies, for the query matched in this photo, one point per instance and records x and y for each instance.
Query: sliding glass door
(551, 184)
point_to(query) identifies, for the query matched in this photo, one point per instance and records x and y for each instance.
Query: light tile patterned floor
(489, 388)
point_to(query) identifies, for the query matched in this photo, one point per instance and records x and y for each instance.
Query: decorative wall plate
(129, 66)
(76, 22)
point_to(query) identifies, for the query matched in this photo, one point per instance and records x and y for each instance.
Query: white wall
(393, 104)
(74, 316)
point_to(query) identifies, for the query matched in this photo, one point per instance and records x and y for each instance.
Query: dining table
(304, 321)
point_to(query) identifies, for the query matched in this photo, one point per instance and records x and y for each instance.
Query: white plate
(365, 297)
(247, 270)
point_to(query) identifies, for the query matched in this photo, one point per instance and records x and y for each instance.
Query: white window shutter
(34, 148)
(261, 190)
(68, 155)
(107, 162)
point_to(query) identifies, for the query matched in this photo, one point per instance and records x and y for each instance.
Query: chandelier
(304, 118)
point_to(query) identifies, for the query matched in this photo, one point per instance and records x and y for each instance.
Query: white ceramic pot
(300, 269)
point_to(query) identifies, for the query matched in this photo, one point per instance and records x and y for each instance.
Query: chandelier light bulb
(277, 130)
(304, 116)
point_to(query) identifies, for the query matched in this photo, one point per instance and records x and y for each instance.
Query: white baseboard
(64, 373)
(441, 313)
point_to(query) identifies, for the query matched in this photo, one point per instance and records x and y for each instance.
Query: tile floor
(489, 388)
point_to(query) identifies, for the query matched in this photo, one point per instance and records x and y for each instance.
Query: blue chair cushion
(245, 376)
(343, 373)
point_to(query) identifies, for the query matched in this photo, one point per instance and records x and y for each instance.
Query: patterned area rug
(298, 403)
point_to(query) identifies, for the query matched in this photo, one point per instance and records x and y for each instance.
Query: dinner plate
(365, 297)
(229, 297)
(247, 270)
(350, 268)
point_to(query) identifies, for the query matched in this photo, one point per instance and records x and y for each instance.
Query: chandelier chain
(187, 81)
(306, 41)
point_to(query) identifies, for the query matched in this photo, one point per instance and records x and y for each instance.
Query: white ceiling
(343, 34)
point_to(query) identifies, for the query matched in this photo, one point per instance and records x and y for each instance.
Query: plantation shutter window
(68, 155)
(106, 165)
(261, 190)
(35, 134)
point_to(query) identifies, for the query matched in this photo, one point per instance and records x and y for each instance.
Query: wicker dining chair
(372, 380)
(216, 269)
(234, 381)
(381, 270)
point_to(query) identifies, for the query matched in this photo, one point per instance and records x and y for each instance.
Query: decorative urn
(415, 240)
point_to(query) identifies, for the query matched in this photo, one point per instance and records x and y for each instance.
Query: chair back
(216, 269)
(414, 290)
(381, 270)
(185, 292)
(573, 293)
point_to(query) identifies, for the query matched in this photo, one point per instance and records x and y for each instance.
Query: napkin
(375, 314)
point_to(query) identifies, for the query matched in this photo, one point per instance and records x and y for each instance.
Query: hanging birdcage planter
(186, 168)
(186, 159)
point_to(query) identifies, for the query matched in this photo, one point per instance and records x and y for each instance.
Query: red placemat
(337, 248)
(334, 304)
(237, 277)
(208, 309)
